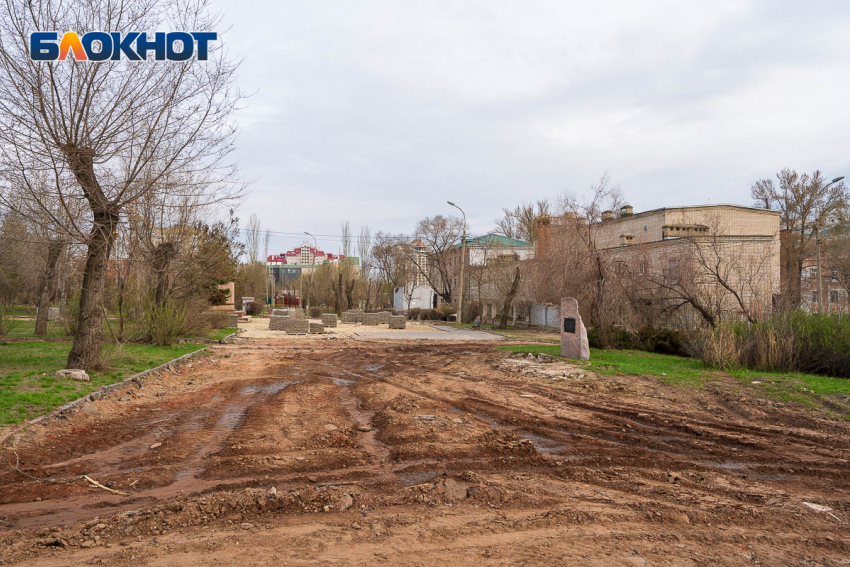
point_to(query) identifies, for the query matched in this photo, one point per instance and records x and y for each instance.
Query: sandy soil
(312, 451)
(258, 328)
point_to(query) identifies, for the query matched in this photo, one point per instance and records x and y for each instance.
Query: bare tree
(119, 128)
(804, 202)
(440, 235)
(364, 250)
(521, 222)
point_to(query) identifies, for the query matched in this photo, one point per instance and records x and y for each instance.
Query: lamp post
(312, 258)
(462, 262)
(817, 248)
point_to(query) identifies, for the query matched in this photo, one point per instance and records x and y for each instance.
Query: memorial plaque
(573, 333)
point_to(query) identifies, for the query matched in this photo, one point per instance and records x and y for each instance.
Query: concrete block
(296, 326)
(384, 317)
(316, 328)
(329, 319)
(371, 318)
(397, 321)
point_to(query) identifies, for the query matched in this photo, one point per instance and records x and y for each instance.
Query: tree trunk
(85, 353)
(47, 285)
(88, 339)
(503, 320)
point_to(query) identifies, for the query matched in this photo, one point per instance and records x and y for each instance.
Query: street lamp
(462, 262)
(817, 248)
(312, 259)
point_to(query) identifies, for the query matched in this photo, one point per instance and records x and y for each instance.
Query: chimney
(626, 211)
(544, 236)
(607, 216)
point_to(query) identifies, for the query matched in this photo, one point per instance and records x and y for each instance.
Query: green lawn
(28, 387)
(25, 328)
(671, 369)
(784, 386)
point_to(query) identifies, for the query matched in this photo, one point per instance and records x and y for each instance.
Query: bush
(166, 322)
(799, 341)
(6, 323)
(446, 310)
(414, 314)
(432, 315)
(315, 312)
(217, 319)
(255, 308)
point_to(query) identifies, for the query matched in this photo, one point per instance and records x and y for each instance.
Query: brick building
(717, 260)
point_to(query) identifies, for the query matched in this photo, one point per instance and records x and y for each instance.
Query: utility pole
(312, 258)
(462, 262)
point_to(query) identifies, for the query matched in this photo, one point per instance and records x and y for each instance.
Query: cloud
(378, 112)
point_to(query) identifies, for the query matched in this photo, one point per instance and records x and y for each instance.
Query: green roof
(496, 240)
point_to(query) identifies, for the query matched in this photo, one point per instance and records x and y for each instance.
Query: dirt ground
(313, 451)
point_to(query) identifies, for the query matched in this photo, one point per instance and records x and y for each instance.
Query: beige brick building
(708, 261)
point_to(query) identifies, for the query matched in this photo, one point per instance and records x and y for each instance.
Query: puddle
(543, 444)
(342, 382)
(418, 477)
(730, 466)
(267, 389)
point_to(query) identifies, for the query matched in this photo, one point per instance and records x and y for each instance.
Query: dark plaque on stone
(569, 325)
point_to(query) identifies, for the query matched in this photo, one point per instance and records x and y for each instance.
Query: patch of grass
(671, 369)
(793, 387)
(218, 334)
(25, 328)
(19, 310)
(28, 387)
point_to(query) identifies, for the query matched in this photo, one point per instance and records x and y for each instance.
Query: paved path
(435, 333)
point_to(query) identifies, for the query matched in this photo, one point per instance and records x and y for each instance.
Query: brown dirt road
(306, 452)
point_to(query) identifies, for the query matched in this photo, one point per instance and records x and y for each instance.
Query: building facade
(712, 261)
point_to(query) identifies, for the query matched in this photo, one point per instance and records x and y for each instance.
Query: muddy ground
(306, 452)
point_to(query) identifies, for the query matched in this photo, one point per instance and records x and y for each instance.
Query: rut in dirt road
(346, 424)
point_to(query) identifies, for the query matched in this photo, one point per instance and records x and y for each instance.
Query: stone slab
(573, 333)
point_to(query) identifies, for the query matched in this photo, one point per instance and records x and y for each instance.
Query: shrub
(166, 322)
(799, 341)
(6, 323)
(315, 312)
(447, 310)
(255, 307)
(217, 319)
(414, 314)
(432, 315)
(69, 313)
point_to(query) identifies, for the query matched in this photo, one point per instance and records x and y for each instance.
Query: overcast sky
(378, 112)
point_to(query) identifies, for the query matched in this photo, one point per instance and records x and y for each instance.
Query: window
(814, 297)
(833, 297)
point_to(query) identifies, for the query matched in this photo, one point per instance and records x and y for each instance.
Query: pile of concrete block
(371, 318)
(297, 314)
(234, 320)
(285, 312)
(316, 328)
(329, 319)
(384, 317)
(397, 321)
(277, 322)
(296, 326)
(352, 317)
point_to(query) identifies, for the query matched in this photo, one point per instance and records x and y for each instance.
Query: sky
(378, 112)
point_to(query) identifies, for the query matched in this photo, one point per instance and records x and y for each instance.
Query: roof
(497, 240)
(717, 206)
